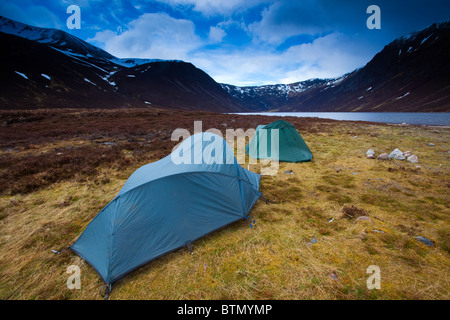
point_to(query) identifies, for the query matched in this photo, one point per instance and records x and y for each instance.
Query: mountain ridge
(49, 68)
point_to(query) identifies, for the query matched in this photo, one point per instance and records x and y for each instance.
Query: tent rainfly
(287, 145)
(167, 205)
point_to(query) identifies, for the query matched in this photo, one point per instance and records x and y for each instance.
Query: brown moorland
(58, 168)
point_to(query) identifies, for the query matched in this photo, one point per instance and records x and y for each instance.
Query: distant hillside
(410, 74)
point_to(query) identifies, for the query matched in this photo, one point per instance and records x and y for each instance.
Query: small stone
(413, 159)
(334, 276)
(313, 241)
(378, 231)
(383, 156)
(370, 154)
(407, 153)
(431, 144)
(289, 172)
(425, 241)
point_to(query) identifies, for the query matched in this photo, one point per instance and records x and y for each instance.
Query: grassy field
(58, 168)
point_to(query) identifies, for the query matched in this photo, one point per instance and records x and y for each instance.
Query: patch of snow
(21, 74)
(45, 76)
(425, 39)
(369, 88)
(402, 96)
(89, 81)
(147, 102)
(69, 52)
(146, 69)
(133, 62)
(360, 97)
(112, 83)
(131, 76)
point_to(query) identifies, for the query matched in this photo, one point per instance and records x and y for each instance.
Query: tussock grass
(277, 259)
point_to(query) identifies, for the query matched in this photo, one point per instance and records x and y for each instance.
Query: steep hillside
(48, 68)
(411, 74)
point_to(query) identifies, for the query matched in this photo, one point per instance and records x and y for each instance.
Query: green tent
(291, 146)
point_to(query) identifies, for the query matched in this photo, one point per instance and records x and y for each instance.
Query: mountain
(412, 73)
(272, 97)
(47, 68)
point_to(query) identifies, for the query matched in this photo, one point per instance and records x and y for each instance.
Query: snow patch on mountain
(21, 74)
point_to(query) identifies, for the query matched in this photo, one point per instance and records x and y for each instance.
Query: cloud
(283, 19)
(249, 61)
(34, 15)
(215, 7)
(216, 34)
(159, 36)
(326, 57)
(152, 35)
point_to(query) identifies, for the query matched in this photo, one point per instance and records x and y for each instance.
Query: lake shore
(59, 168)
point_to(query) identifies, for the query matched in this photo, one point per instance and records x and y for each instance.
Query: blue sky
(240, 42)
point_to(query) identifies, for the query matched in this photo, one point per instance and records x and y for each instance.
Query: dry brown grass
(274, 260)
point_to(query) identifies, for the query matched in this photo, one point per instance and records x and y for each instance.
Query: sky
(239, 42)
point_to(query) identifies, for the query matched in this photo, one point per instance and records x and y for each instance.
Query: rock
(425, 241)
(334, 276)
(370, 154)
(363, 218)
(397, 155)
(378, 231)
(413, 159)
(431, 144)
(383, 156)
(313, 241)
(407, 153)
(289, 172)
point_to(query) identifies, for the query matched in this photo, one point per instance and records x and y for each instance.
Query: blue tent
(167, 205)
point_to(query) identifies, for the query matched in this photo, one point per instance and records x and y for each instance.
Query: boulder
(407, 153)
(370, 154)
(397, 155)
(383, 156)
(413, 159)
(425, 241)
